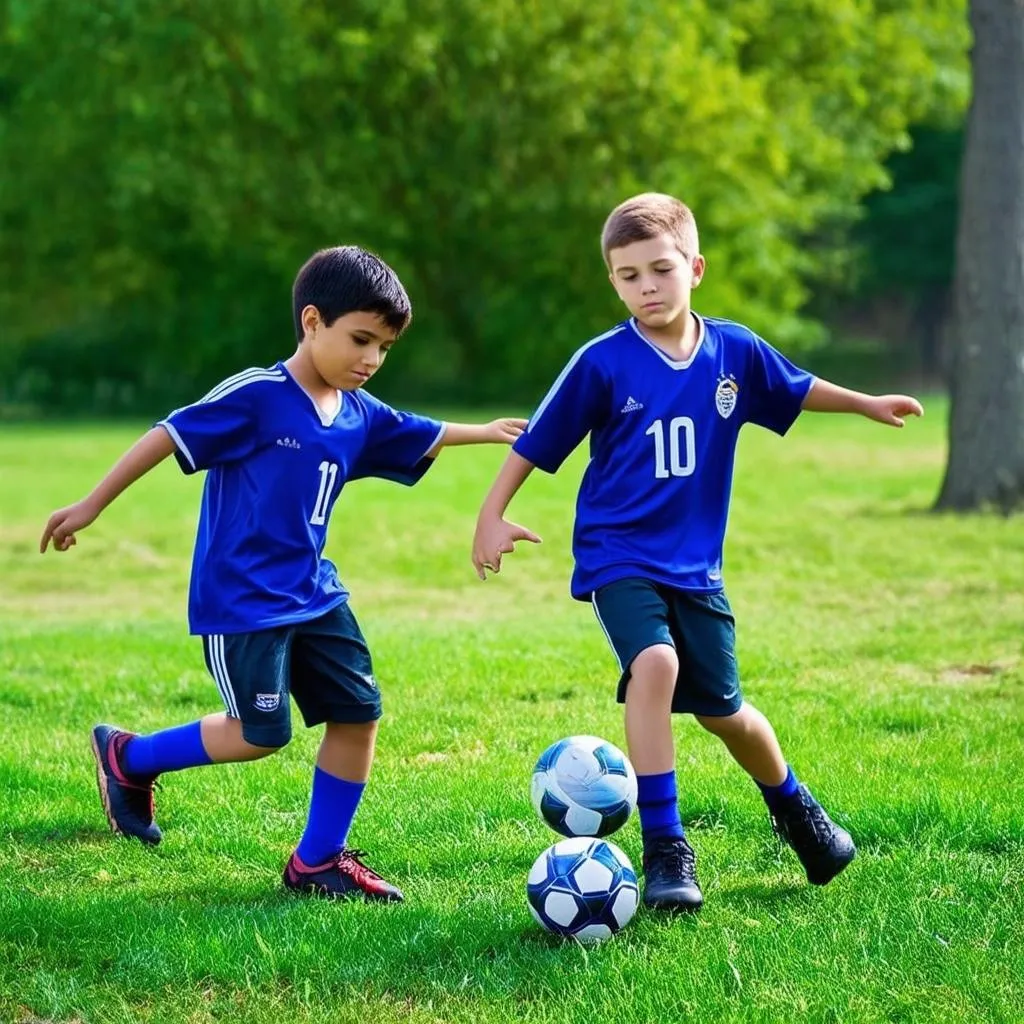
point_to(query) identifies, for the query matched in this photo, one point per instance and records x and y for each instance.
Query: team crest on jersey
(267, 701)
(725, 395)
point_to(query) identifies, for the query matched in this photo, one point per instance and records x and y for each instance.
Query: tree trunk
(986, 429)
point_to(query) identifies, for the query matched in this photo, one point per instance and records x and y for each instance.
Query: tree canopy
(169, 165)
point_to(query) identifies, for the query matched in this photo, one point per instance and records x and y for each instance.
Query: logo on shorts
(725, 395)
(267, 701)
(369, 680)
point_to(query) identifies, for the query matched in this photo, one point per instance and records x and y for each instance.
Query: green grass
(884, 643)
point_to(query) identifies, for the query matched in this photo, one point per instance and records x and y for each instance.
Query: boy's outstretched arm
(890, 409)
(500, 431)
(494, 536)
(150, 450)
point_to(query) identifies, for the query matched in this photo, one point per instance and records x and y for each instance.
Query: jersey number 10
(682, 450)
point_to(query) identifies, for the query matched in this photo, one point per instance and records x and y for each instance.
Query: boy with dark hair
(278, 445)
(663, 396)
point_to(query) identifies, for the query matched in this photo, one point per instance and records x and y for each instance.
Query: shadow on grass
(757, 894)
(67, 831)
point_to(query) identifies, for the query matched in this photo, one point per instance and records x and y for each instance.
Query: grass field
(885, 644)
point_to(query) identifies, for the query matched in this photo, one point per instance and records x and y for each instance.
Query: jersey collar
(326, 419)
(675, 364)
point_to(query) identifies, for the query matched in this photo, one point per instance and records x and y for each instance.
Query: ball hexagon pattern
(582, 888)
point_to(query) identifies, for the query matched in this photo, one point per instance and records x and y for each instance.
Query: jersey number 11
(328, 474)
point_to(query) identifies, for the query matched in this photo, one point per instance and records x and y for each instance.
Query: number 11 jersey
(276, 463)
(654, 499)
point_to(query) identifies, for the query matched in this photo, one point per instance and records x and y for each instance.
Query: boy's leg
(634, 618)
(823, 847)
(708, 628)
(750, 739)
(249, 670)
(333, 683)
(339, 779)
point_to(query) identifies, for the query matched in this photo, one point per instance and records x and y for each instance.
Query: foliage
(171, 164)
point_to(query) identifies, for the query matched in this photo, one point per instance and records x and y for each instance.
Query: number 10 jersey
(654, 499)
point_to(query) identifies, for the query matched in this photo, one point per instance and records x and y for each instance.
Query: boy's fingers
(522, 533)
(48, 534)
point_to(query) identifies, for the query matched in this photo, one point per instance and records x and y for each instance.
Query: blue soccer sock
(658, 807)
(776, 795)
(169, 750)
(332, 806)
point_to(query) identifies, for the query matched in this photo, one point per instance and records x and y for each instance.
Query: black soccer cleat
(670, 876)
(127, 799)
(823, 847)
(342, 876)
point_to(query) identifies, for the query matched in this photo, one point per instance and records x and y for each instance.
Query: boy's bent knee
(267, 739)
(653, 671)
(724, 725)
(656, 666)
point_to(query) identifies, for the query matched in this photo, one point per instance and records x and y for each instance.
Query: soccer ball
(583, 889)
(583, 786)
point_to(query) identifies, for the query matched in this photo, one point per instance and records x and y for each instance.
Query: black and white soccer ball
(583, 888)
(583, 786)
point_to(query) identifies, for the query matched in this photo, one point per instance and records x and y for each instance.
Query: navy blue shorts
(639, 613)
(324, 664)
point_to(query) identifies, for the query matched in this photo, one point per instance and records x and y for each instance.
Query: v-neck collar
(326, 419)
(675, 364)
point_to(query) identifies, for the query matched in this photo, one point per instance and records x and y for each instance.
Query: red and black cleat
(127, 799)
(342, 876)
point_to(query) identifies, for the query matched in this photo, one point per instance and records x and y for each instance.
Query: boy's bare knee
(348, 731)
(659, 662)
(724, 725)
(269, 743)
(653, 674)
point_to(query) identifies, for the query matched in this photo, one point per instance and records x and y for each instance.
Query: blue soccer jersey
(655, 496)
(276, 464)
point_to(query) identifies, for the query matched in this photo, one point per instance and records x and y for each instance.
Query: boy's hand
(892, 409)
(504, 431)
(65, 522)
(494, 538)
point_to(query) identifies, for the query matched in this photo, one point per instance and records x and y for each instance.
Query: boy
(663, 396)
(278, 445)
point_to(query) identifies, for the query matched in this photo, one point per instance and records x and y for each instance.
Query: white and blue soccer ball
(583, 888)
(583, 786)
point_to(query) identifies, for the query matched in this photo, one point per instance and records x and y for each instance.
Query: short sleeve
(397, 443)
(571, 409)
(777, 388)
(221, 427)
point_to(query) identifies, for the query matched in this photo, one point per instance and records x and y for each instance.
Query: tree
(986, 428)
(171, 162)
